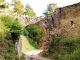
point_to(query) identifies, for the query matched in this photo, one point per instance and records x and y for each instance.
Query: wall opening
(72, 24)
(36, 33)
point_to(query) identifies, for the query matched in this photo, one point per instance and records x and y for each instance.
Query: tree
(1, 1)
(18, 7)
(29, 11)
(14, 27)
(35, 33)
(50, 9)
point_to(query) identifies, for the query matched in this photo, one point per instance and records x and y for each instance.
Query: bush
(64, 48)
(16, 29)
(75, 55)
(35, 33)
(14, 26)
(10, 53)
(9, 29)
(70, 40)
(31, 42)
(3, 30)
(22, 58)
(25, 32)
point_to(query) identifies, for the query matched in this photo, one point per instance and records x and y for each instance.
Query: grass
(26, 46)
(22, 58)
(0, 59)
(33, 43)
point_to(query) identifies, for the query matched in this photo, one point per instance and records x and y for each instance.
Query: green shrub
(11, 53)
(75, 55)
(9, 29)
(22, 58)
(34, 32)
(64, 49)
(7, 20)
(25, 32)
(70, 40)
(31, 42)
(14, 26)
(3, 30)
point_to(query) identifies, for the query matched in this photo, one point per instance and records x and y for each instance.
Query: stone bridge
(44, 23)
(58, 24)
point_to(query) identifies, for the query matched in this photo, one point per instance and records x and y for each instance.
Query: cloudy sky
(39, 5)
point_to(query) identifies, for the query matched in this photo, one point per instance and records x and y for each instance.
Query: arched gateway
(44, 23)
(46, 27)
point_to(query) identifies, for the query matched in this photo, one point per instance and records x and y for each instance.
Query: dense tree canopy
(50, 9)
(18, 7)
(29, 11)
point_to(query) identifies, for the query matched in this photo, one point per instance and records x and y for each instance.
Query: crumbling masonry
(64, 22)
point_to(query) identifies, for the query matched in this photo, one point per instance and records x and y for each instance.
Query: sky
(40, 5)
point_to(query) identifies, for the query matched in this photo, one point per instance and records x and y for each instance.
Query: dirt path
(34, 55)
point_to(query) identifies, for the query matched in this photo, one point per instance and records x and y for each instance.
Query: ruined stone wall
(46, 28)
(69, 21)
(18, 45)
(71, 11)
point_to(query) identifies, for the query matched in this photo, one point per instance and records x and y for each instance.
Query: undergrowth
(64, 49)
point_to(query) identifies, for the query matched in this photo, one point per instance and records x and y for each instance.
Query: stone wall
(65, 22)
(18, 45)
(71, 11)
(68, 18)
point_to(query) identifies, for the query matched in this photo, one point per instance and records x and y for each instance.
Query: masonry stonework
(64, 22)
(67, 20)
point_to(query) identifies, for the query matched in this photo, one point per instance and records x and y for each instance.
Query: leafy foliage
(30, 44)
(3, 30)
(29, 11)
(34, 35)
(64, 49)
(16, 28)
(50, 9)
(11, 53)
(22, 58)
(75, 55)
(25, 32)
(8, 26)
(70, 40)
(18, 7)
(13, 25)
(35, 32)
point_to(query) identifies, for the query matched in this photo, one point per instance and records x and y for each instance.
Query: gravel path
(34, 55)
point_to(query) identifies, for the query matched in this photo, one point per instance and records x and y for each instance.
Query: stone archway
(46, 27)
(44, 35)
